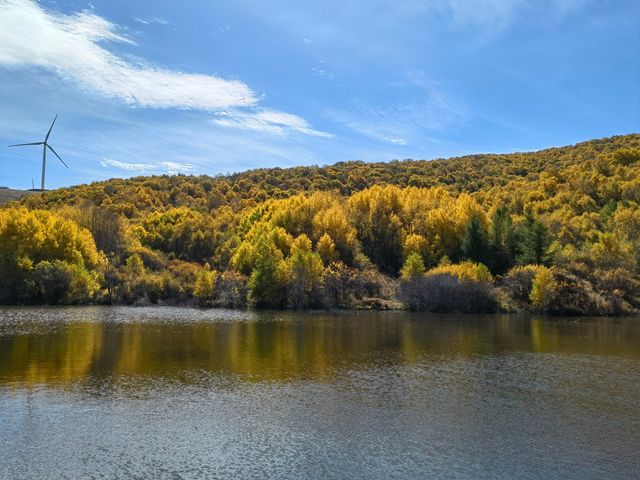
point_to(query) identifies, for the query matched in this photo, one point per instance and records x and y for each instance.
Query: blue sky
(214, 86)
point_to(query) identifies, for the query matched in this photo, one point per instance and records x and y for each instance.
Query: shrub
(517, 283)
(205, 286)
(59, 282)
(464, 271)
(558, 292)
(620, 286)
(413, 266)
(626, 156)
(542, 289)
(232, 290)
(572, 295)
(337, 285)
(444, 292)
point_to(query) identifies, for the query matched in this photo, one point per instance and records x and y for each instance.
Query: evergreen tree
(475, 244)
(534, 242)
(413, 266)
(502, 241)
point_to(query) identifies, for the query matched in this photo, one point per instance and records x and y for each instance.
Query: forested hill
(554, 231)
(472, 173)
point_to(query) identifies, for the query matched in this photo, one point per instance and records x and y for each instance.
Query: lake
(119, 392)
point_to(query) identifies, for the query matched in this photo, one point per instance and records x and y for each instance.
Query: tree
(301, 274)
(475, 243)
(413, 267)
(107, 228)
(59, 282)
(337, 285)
(232, 290)
(327, 249)
(28, 238)
(205, 287)
(376, 215)
(502, 241)
(543, 289)
(264, 287)
(534, 242)
(414, 243)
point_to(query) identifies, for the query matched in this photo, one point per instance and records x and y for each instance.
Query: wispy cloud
(73, 46)
(268, 121)
(148, 21)
(426, 111)
(495, 15)
(170, 168)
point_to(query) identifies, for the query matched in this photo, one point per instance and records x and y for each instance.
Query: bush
(575, 296)
(543, 289)
(205, 286)
(58, 282)
(413, 266)
(558, 292)
(620, 286)
(517, 283)
(443, 292)
(337, 285)
(232, 290)
(464, 271)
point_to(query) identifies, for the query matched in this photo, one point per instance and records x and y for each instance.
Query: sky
(220, 86)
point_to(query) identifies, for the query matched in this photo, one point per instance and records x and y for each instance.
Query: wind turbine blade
(54, 152)
(22, 144)
(50, 128)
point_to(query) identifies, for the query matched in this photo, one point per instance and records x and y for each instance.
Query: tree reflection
(287, 346)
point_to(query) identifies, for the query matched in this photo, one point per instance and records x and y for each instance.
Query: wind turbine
(45, 145)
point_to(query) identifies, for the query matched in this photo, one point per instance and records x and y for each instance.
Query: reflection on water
(68, 345)
(180, 393)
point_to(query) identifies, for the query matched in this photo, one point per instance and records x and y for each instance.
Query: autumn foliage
(555, 231)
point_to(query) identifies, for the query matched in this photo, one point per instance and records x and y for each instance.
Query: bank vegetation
(555, 231)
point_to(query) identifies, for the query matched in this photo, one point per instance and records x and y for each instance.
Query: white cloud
(268, 121)
(170, 168)
(147, 21)
(73, 47)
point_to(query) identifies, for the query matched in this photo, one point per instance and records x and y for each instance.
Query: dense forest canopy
(556, 231)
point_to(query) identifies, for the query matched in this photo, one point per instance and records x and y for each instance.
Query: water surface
(103, 392)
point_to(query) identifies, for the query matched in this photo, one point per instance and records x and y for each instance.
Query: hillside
(9, 194)
(556, 230)
(473, 173)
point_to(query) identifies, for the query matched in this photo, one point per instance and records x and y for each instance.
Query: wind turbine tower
(45, 145)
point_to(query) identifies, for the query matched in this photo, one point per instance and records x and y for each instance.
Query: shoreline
(315, 310)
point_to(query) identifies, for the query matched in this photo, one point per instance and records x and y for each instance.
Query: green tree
(264, 287)
(502, 241)
(534, 242)
(475, 243)
(413, 266)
